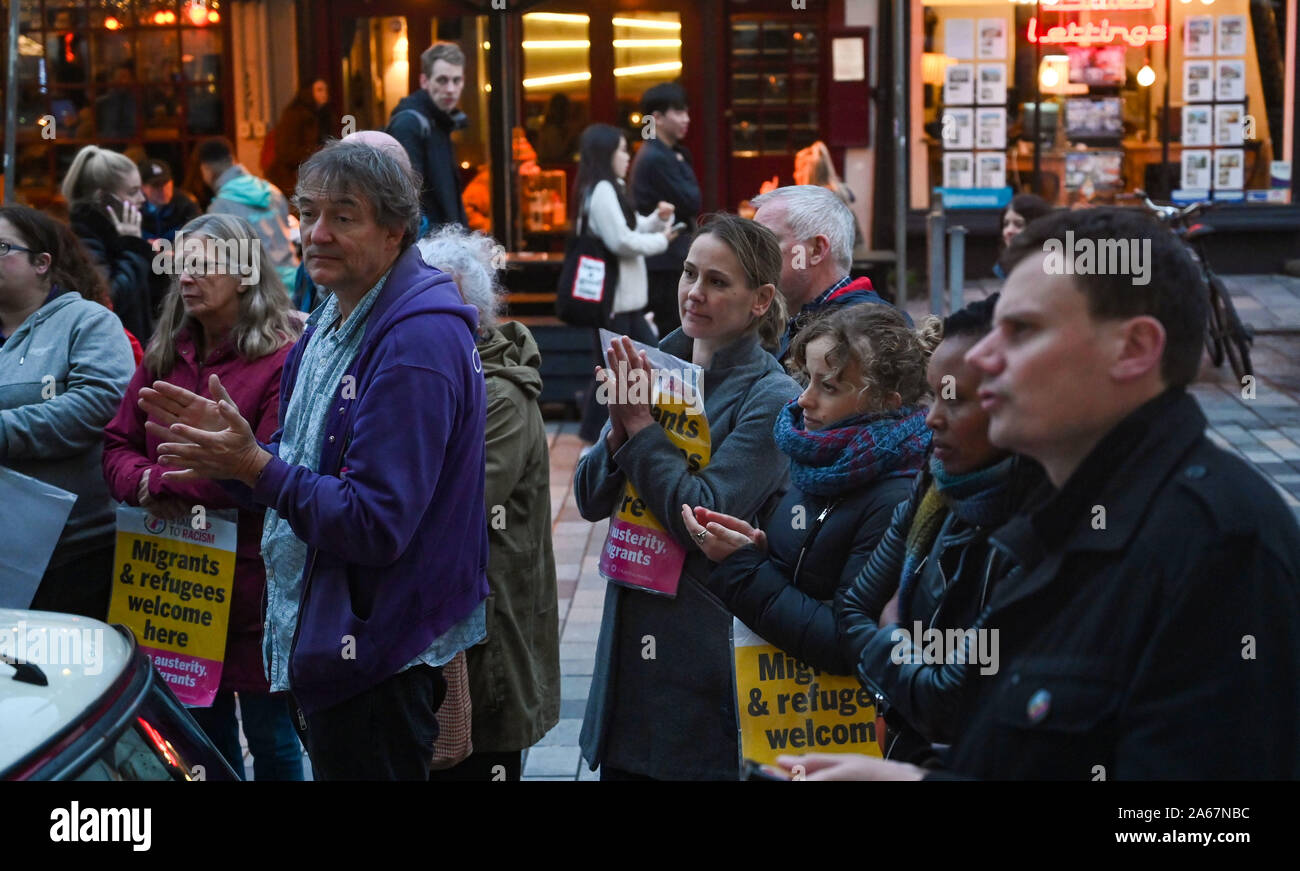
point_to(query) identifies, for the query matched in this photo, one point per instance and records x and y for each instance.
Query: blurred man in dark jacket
(1157, 587)
(423, 122)
(662, 172)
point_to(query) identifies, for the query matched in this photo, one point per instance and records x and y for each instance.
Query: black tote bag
(584, 296)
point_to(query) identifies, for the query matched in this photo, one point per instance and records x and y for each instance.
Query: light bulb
(1146, 76)
(1049, 78)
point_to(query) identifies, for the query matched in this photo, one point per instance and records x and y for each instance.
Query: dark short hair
(370, 174)
(975, 319)
(218, 149)
(1028, 206)
(1176, 295)
(661, 98)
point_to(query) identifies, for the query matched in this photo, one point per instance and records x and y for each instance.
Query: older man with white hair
(815, 230)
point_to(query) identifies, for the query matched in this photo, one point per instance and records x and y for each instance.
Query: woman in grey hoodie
(661, 703)
(64, 365)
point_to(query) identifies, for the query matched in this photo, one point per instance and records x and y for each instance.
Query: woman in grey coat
(661, 703)
(64, 365)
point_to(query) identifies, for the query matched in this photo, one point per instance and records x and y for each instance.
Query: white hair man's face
(794, 273)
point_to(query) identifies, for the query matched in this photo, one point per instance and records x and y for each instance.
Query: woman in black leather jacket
(856, 437)
(935, 567)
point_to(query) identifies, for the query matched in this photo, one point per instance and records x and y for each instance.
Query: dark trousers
(268, 725)
(594, 414)
(384, 733)
(483, 767)
(80, 587)
(663, 299)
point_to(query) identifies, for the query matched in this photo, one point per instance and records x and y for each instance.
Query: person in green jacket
(514, 677)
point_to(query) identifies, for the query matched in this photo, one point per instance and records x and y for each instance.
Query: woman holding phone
(102, 188)
(605, 210)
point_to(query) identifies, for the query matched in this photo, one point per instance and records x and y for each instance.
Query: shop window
(556, 83)
(376, 69)
(773, 87)
(1081, 84)
(142, 76)
(647, 52)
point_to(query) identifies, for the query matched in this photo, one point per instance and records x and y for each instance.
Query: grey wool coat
(673, 716)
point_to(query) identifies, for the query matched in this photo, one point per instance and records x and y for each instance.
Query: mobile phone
(763, 771)
(115, 206)
(679, 227)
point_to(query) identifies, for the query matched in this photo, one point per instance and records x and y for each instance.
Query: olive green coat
(515, 675)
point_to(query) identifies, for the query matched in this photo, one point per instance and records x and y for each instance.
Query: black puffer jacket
(953, 584)
(127, 264)
(795, 613)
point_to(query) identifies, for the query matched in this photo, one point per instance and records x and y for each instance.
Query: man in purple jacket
(375, 543)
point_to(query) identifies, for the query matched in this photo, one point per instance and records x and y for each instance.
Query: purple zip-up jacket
(395, 520)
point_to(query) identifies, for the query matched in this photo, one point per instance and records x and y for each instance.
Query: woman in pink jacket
(227, 314)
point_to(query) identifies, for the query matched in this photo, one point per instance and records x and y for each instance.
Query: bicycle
(1225, 334)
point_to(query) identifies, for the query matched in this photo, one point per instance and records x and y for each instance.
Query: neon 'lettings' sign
(1096, 5)
(1096, 33)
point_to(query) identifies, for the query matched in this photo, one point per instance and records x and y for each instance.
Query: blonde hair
(891, 356)
(759, 253)
(95, 171)
(265, 323)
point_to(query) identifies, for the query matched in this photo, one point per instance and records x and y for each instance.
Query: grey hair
(369, 174)
(265, 321)
(472, 260)
(811, 210)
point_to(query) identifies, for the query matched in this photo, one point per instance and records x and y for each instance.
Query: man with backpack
(423, 122)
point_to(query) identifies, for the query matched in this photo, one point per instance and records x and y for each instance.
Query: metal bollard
(956, 266)
(935, 223)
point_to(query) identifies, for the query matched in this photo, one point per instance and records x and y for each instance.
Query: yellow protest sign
(172, 587)
(638, 551)
(786, 707)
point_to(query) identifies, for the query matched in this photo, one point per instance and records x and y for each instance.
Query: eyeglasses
(6, 247)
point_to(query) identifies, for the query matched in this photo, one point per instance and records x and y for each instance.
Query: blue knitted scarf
(976, 498)
(855, 451)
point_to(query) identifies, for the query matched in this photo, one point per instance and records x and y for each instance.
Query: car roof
(79, 659)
